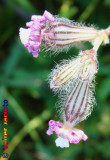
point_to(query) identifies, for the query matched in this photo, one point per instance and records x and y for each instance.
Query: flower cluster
(72, 79)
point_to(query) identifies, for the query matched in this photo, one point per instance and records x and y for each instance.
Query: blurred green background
(23, 82)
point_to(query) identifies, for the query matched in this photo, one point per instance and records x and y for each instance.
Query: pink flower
(65, 135)
(31, 37)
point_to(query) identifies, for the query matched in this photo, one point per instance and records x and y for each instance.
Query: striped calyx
(62, 33)
(77, 107)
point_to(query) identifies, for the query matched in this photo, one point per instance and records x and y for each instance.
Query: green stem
(88, 11)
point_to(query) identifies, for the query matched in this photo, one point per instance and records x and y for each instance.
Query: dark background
(23, 82)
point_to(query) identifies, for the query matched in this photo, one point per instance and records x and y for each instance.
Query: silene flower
(76, 106)
(78, 100)
(54, 33)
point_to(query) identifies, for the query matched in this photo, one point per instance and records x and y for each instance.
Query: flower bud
(83, 67)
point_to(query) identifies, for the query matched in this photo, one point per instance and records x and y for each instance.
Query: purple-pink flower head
(32, 37)
(65, 135)
(54, 33)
